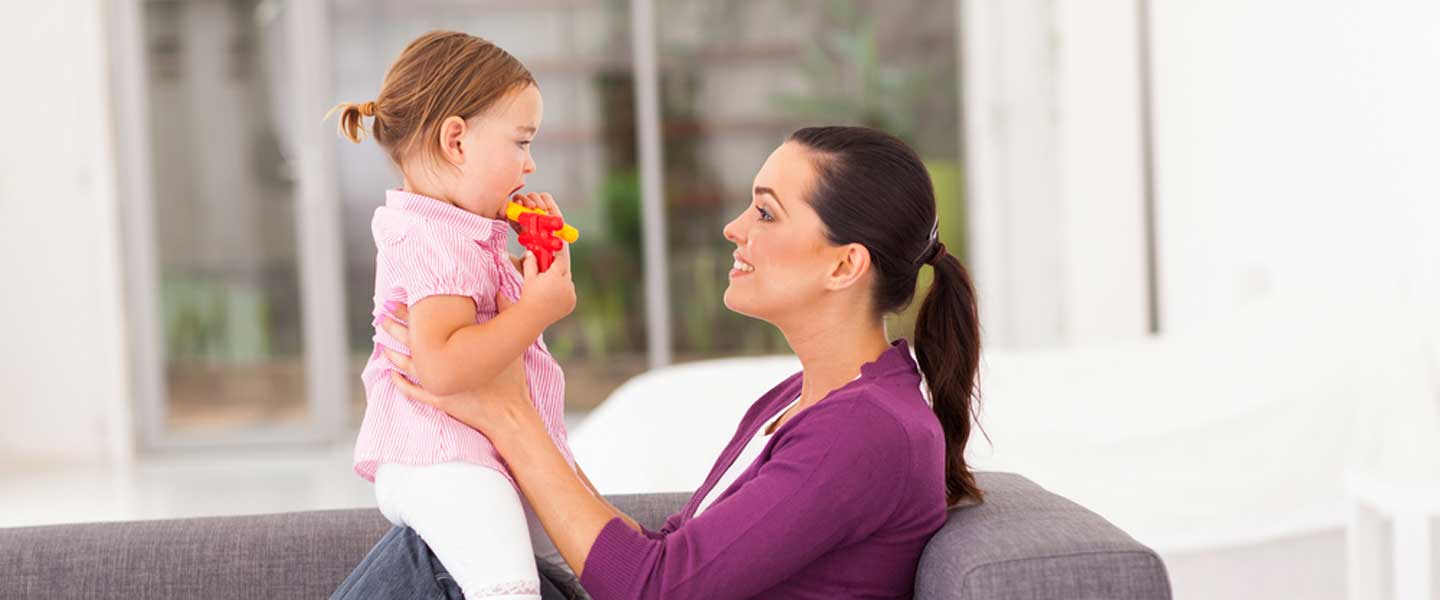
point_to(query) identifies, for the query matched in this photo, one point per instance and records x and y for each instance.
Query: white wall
(64, 395)
(1296, 148)
(1054, 163)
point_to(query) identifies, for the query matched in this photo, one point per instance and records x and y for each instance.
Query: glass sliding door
(224, 224)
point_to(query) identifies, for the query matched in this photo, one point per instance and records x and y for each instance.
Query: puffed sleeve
(423, 261)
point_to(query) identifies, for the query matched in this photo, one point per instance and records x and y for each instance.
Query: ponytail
(947, 344)
(350, 126)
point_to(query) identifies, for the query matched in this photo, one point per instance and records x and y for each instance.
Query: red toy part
(537, 234)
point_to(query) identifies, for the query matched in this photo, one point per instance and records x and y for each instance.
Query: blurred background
(1204, 235)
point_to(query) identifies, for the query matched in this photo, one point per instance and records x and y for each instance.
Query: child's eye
(523, 143)
(764, 214)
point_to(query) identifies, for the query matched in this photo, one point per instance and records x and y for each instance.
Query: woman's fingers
(414, 392)
(401, 362)
(396, 330)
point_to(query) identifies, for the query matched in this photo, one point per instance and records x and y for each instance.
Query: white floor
(228, 482)
(164, 487)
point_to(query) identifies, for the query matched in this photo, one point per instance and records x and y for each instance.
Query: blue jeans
(402, 566)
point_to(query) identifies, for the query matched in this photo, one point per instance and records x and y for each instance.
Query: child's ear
(451, 131)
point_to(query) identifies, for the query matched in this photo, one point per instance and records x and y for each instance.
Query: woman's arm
(566, 505)
(830, 484)
(613, 510)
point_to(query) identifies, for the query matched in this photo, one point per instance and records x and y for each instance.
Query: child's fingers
(562, 260)
(532, 266)
(550, 205)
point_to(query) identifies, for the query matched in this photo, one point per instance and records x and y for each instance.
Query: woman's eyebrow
(760, 189)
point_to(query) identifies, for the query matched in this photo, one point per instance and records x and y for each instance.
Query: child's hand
(542, 201)
(531, 200)
(552, 293)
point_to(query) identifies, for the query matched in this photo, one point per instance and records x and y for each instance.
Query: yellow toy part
(514, 209)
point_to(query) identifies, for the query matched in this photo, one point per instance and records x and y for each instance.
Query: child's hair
(439, 75)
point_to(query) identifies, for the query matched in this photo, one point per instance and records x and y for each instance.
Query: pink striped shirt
(426, 247)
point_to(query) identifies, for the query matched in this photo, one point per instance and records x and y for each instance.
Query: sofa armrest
(1025, 542)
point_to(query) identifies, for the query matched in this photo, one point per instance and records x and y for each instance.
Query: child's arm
(452, 353)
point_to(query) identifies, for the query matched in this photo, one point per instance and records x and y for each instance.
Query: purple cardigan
(840, 503)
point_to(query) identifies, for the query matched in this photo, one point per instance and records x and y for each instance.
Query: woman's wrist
(515, 426)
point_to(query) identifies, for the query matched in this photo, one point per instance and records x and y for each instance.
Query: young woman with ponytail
(837, 477)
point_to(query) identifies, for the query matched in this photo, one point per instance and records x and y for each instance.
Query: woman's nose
(732, 230)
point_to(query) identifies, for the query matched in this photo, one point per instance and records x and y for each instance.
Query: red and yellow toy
(540, 232)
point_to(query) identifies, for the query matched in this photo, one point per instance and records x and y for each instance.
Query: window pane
(737, 77)
(224, 211)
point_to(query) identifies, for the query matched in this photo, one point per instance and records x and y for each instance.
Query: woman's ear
(451, 132)
(853, 261)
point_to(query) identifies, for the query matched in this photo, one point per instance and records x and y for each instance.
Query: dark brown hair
(872, 189)
(439, 75)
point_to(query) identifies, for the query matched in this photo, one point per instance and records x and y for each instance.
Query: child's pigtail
(350, 125)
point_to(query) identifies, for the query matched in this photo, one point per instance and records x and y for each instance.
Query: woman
(838, 476)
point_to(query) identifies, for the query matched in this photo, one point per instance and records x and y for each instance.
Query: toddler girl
(456, 114)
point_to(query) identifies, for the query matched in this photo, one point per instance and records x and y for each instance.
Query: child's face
(497, 153)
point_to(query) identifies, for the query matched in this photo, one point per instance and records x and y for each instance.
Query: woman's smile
(741, 268)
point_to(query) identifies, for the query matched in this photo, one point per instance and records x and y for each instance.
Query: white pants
(470, 516)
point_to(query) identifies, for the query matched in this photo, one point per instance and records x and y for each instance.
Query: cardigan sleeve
(831, 481)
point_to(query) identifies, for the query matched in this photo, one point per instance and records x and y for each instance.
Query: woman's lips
(741, 268)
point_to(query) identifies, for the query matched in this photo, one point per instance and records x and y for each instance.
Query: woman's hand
(489, 409)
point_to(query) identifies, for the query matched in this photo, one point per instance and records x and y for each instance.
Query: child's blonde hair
(439, 75)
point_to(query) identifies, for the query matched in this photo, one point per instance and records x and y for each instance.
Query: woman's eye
(764, 214)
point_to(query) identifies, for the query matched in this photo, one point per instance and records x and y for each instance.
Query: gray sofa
(1022, 543)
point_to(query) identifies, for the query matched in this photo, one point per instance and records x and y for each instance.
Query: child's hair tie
(368, 109)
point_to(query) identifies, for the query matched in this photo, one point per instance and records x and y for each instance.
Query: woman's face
(782, 258)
